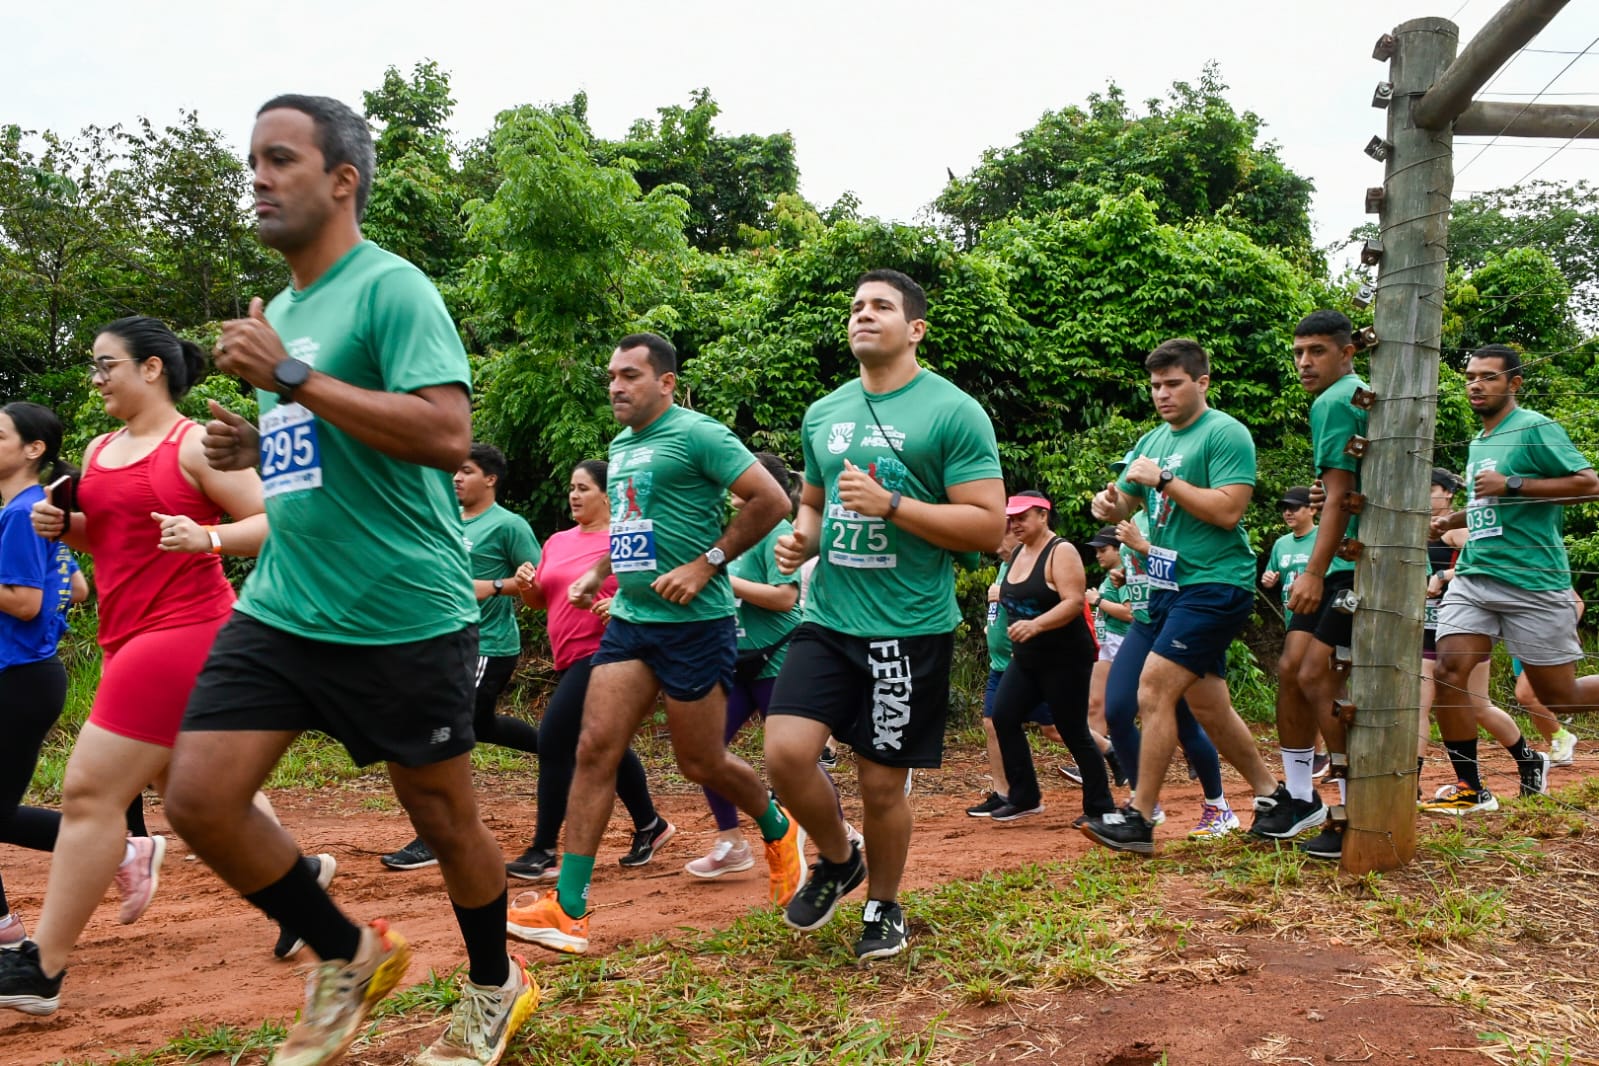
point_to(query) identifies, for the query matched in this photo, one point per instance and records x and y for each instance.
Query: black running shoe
(1071, 772)
(322, 868)
(982, 810)
(1118, 776)
(645, 841)
(882, 931)
(413, 856)
(1280, 816)
(829, 758)
(813, 905)
(534, 864)
(1010, 812)
(1328, 844)
(1535, 775)
(1123, 830)
(23, 985)
(1320, 763)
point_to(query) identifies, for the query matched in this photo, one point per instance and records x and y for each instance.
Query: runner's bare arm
(1113, 505)
(765, 504)
(1066, 574)
(1304, 595)
(237, 492)
(972, 520)
(1223, 507)
(581, 592)
(430, 427)
(1584, 484)
(528, 585)
(767, 597)
(793, 549)
(1119, 611)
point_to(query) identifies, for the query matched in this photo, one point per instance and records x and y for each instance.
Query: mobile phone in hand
(61, 493)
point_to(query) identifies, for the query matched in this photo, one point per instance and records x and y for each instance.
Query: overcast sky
(880, 97)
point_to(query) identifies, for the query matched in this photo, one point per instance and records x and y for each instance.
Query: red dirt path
(201, 957)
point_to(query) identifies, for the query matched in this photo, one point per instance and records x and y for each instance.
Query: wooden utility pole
(1391, 573)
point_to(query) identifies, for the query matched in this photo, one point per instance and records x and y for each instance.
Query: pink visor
(1018, 504)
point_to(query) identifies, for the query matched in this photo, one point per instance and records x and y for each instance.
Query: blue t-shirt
(30, 561)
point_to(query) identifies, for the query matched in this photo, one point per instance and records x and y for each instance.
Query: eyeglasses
(1290, 508)
(101, 366)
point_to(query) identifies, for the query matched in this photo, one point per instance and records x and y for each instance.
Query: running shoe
(289, 944)
(725, 857)
(829, 758)
(882, 931)
(538, 919)
(1535, 775)
(1071, 772)
(12, 934)
(855, 836)
(1158, 815)
(483, 1021)
(1320, 763)
(534, 864)
(414, 856)
(23, 985)
(813, 905)
(645, 841)
(139, 876)
(1327, 844)
(1458, 799)
(1562, 747)
(910, 782)
(785, 862)
(1123, 830)
(1118, 776)
(982, 810)
(339, 995)
(1279, 816)
(1010, 812)
(1214, 821)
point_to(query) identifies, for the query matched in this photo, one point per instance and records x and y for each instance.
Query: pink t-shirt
(574, 632)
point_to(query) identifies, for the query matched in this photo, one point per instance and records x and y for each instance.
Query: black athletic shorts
(1332, 627)
(405, 703)
(886, 697)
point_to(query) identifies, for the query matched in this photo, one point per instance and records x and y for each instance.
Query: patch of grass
(195, 1045)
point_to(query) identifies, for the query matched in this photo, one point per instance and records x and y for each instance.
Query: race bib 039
(291, 460)
(1482, 518)
(633, 546)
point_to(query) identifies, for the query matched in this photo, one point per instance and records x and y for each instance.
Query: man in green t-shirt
(1512, 580)
(358, 621)
(672, 627)
(1307, 684)
(1194, 474)
(901, 475)
(498, 542)
(1290, 552)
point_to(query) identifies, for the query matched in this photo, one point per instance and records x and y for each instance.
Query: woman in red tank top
(148, 509)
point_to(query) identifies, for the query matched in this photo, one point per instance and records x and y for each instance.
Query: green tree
(1562, 220)
(1192, 156)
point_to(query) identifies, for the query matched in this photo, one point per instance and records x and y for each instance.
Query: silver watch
(717, 558)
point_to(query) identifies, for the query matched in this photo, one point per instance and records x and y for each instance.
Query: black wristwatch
(1166, 478)
(290, 374)
(499, 586)
(893, 503)
(1513, 485)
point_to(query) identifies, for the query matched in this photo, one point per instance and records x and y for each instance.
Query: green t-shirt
(1103, 623)
(996, 628)
(1333, 420)
(668, 487)
(1213, 451)
(1289, 556)
(1135, 593)
(757, 626)
(365, 548)
(873, 578)
(499, 542)
(1518, 539)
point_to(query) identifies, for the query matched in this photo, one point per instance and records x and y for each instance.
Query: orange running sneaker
(785, 862)
(537, 918)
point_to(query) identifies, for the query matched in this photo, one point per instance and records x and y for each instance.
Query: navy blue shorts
(1041, 714)
(1195, 626)
(689, 659)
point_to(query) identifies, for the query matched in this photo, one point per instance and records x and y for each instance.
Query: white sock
(1219, 801)
(1343, 792)
(127, 853)
(1297, 766)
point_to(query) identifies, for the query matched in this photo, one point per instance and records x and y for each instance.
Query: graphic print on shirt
(839, 437)
(632, 535)
(891, 693)
(856, 540)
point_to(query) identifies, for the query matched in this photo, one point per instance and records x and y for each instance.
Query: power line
(1549, 85)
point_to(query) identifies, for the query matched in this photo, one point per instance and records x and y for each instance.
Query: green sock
(572, 890)
(773, 823)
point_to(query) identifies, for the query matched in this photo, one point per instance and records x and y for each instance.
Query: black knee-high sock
(296, 902)
(1521, 751)
(1463, 756)
(483, 929)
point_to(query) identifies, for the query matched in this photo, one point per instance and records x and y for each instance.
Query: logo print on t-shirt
(630, 498)
(889, 473)
(304, 349)
(839, 436)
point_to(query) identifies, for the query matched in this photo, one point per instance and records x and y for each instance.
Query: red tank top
(141, 587)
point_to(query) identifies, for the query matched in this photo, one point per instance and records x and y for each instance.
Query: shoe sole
(1135, 847)
(849, 886)
(1073, 778)
(882, 953)
(1019, 815)
(667, 834)
(747, 864)
(1214, 834)
(158, 854)
(1456, 812)
(407, 865)
(551, 874)
(799, 846)
(1329, 856)
(38, 1006)
(979, 814)
(553, 939)
(1309, 821)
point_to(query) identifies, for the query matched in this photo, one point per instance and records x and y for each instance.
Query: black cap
(1298, 496)
(1105, 538)
(1447, 480)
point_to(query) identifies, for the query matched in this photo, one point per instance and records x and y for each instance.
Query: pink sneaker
(139, 876)
(724, 858)
(12, 934)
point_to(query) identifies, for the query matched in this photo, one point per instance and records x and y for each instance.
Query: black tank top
(1031, 597)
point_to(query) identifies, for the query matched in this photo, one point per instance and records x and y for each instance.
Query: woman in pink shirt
(574, 637)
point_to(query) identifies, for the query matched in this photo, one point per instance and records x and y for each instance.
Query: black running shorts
(886, 697)
(1327, 624)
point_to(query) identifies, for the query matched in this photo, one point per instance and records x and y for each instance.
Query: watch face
(716, 557)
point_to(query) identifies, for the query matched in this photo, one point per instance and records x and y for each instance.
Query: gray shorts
(1537, 627)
